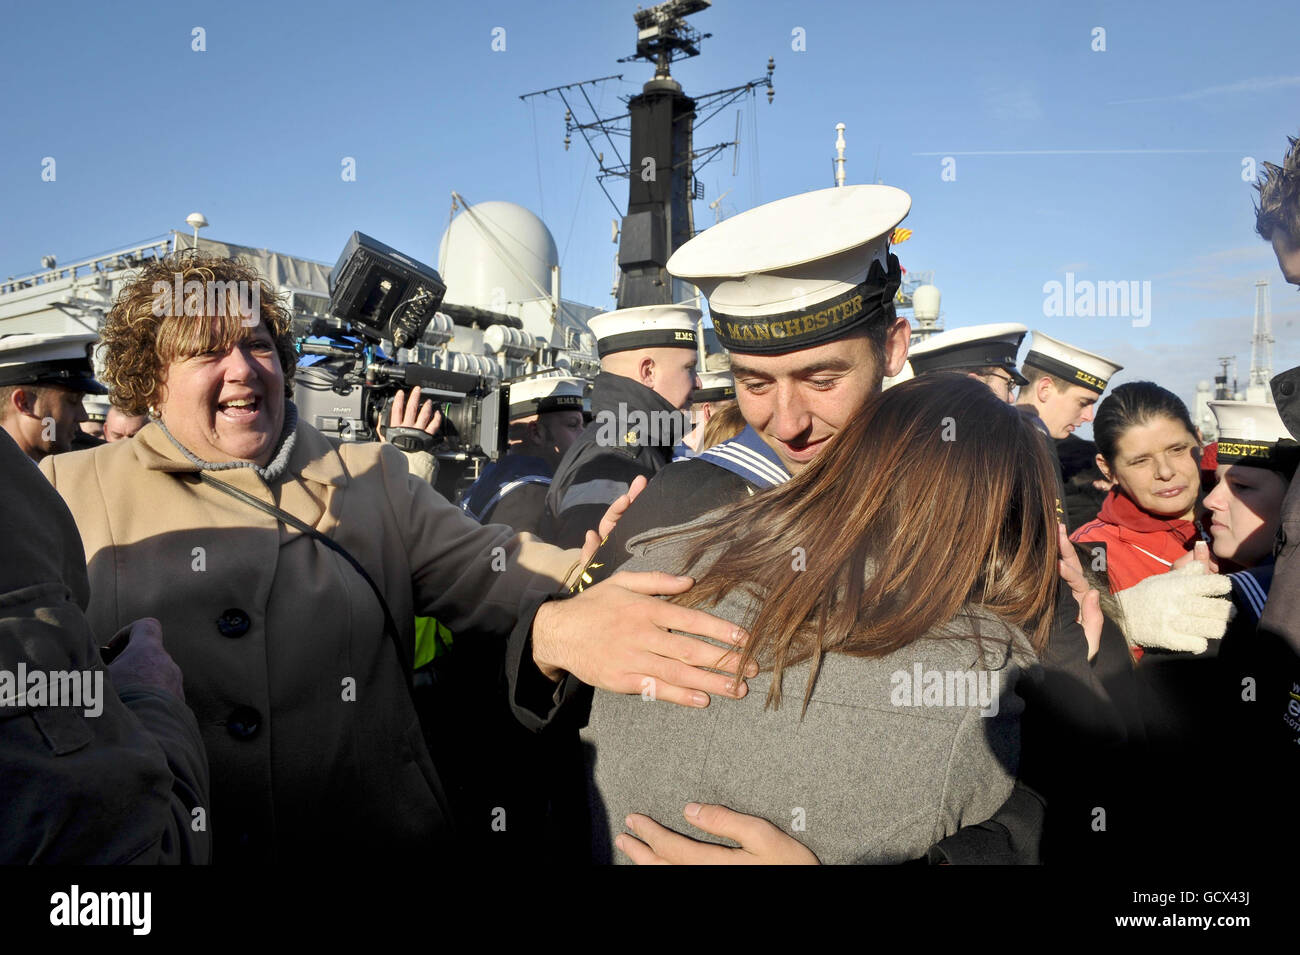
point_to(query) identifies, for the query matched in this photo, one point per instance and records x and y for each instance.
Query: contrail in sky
(1071, 152)
(1257, 85)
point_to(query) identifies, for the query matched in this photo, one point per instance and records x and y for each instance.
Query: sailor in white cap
(717, 391)
(647, 374)
(986, 352)
(1255, 461)
(801, 293)
(546, 417)
(1063, 383)
(92, 429)
(42, 380)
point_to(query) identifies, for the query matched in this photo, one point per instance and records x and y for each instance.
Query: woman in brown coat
(314, 743)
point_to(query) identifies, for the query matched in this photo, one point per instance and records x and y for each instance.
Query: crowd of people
(812, 602)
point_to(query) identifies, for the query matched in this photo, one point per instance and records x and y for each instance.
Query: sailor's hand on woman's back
(761, 843)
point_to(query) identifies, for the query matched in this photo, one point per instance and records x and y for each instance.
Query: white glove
(1179, 610)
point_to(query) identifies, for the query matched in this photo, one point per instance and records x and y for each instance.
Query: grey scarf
(274, 469)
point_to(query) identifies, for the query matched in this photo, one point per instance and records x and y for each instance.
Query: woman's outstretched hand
(761, 843)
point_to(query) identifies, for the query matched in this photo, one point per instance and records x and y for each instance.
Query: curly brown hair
(1279, 197)
(180, 305)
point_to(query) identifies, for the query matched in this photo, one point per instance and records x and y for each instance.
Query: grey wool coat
(884, 764)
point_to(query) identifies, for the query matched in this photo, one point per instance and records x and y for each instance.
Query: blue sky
(252, 133)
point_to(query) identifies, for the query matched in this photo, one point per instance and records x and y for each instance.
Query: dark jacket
(1278, 646)
(116, 787)
(630, 435)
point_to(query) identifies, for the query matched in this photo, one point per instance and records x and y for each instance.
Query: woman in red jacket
(1147, 446)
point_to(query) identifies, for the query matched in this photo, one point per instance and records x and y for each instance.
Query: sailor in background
(546, 417)
(42, 381)
(986, 352)
(647, 361)
(1063, 383)
(92, 429)
(717, 391)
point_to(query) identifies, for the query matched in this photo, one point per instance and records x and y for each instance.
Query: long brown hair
(937, 496)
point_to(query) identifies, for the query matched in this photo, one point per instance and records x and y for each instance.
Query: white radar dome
(925, 303)
(488, 255)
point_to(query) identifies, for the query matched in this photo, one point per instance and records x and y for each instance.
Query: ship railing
(127, 258)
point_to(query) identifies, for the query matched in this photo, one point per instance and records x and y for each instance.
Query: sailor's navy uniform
(512, 490)
(633, 430)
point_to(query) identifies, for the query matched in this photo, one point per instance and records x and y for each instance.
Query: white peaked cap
(715, 386)
(541, 395)
(975, 346)
(29, 358)
(96, 407)
(780, 260)
(1072, 365)
(649, 326)
(1250, 432)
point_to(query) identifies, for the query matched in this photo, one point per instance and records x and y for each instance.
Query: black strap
(390, 627)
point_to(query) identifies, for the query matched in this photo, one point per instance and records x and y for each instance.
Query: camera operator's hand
(145, 661)
(408, 412)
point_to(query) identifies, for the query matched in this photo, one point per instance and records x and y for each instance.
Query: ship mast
(662, 163)
(1261, 348)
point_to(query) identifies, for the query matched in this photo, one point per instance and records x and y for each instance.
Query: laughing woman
(287, 569)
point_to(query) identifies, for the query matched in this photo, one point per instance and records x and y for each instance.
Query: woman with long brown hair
(898, 585)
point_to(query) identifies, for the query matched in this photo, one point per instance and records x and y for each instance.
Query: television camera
(345, 382)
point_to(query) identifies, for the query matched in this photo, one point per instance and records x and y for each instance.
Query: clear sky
(1122, 164)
